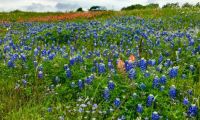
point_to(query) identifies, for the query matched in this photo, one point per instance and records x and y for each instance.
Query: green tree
(171, 5)
(187, 5)
(152, 6)
(79, 10)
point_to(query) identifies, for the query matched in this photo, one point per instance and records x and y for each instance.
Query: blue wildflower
(150, 100)
(172, 91)
(24, 82)
(110, 65)
(143, 64)
(139, 108)
(156, 82)
(132, 74)
(155, 116)
(146, 74)
(111, 85)
(68, 73)
(142, 86)
(101, 68)
(117, 102)
(88, 80)
(73, 84)
(23, 56)
(162, 88)
(35, 63)
(106, 93)
(185, 101)
(40, 74)
(192, 68)
(10, 63)
(163, 79)
(72, 61)
(173, 72)
(192, 110)
(80, 84)
(160, 59)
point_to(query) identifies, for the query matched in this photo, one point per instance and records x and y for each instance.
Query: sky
(67, 5)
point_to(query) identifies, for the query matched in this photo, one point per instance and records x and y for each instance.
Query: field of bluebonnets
(128, 66)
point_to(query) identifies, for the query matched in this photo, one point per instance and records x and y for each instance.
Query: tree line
(155, 6)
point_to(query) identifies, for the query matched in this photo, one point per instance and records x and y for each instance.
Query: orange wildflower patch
(64, 16)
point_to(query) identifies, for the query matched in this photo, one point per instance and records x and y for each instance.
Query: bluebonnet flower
(142, 86)
(155, 116)
(117, 102)
(6, 48)
(192, 110)
(49, 109)
(157, 42)
(128, 65)
(189, 92)
(88, 80)
(146, 74)
(162, 88)
(40, 68)
(92, 76)
(122, 118)
(139, 108)
(152, 62)
(68, 73)
(143, 64)
(40, 74)
(110, 65)
(10, 64)
(66, 66)
(51, 56)
(44, 52)
(160, 59)
(172, 91)
(94, 106)
(35, 63)
(24, 82)
(111, 85)
(23, 56)
(134, 95)
(80, 84)
(185, 101)
(192, 68)
(106, 93)
(173, 72)
(183, 76)
(191, 42)
(167, 63)
(101, 68)
(179, 50)
(156, 82)
(14, 57)
(36, 52)
(163, 79)
(57, 79)
(159, 68)
(73, 84)
(72, 61)
(132, 74)
(150, 100)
